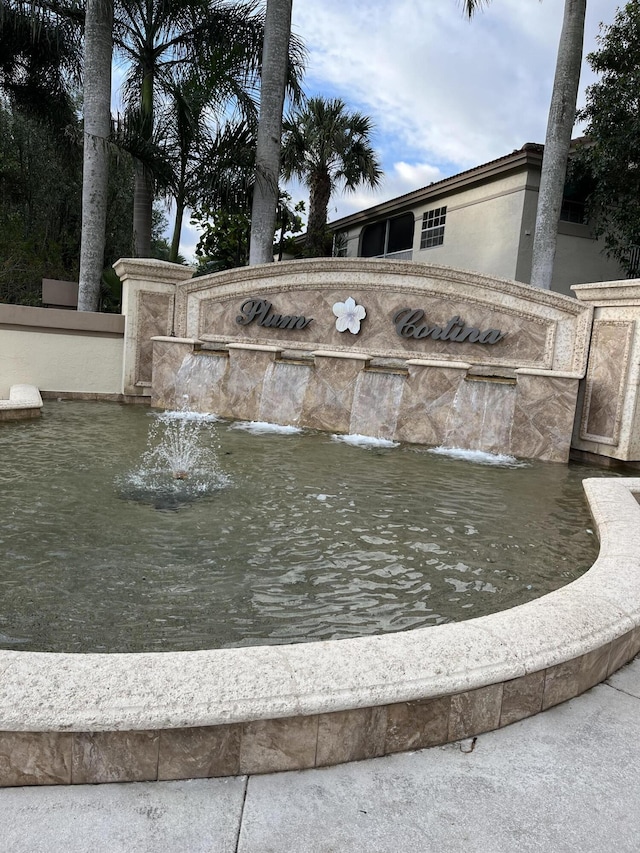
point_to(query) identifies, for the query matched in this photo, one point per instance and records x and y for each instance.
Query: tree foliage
(41, 57)
(225, 237)
(189, 65)
(611, 156)
(224, 242)
(40, 192)
(196, 59)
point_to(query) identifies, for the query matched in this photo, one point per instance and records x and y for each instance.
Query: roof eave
(528, 156)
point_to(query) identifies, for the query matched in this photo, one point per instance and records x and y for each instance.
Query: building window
(572, 211)
(433, 222)
(577, 189)
(388, 238)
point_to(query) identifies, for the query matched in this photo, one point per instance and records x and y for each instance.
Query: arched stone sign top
(538, 329)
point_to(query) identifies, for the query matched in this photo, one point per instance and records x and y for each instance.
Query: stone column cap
(171, 339)
(555, 374)
(358, 356)
(255, 347)
(438, 362)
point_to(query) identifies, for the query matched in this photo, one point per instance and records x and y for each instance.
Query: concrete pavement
(565, 780)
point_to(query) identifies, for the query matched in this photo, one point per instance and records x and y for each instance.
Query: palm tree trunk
(318, 242)
(177, 229)
(142, 208)
(562, 115)
(97, 127)
(142, 180)
(275, 55)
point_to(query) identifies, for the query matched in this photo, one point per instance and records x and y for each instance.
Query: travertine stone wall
(542, 329)
(148, 297)
(516, 395)
(608, 421)
(527, 413)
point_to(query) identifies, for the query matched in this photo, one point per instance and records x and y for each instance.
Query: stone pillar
(545, 409)
(608, 416)
(148, 299)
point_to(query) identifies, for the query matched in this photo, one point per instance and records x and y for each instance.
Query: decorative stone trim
(606, 379)
(300, 742)
(355, 356)
(170, 339)
(68, 718)
(554, 374)
(434, 362)
(254, 347)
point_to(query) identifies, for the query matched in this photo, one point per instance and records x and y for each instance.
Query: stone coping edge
(554, 374)
(24, 402)
(384, 693)
(61, 319)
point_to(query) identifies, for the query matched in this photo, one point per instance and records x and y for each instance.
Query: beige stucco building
(480, 220)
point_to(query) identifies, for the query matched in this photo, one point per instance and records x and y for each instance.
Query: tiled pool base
(68, 719)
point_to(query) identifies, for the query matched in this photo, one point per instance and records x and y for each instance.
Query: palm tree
(275, 54)
(326, 147)
(97, 127)
(189, 136)
(222, 39)
(562, 114)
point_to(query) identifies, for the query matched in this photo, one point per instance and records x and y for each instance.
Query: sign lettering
(409, 323)
(257, 310)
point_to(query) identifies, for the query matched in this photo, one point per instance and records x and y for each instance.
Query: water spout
(180, 462)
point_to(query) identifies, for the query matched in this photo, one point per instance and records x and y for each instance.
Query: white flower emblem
(349, 315)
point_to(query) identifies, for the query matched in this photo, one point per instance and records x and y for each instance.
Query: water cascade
(283, 391)
(199, 377)
(376, 403)
(482, 415)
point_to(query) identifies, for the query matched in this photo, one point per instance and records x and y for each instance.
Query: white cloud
(409, 176)
(400, 179)
(445, 94)
(439, 88)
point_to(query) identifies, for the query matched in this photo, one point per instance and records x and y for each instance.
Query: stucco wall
(482, 229)
(58, 350)
(489, 229)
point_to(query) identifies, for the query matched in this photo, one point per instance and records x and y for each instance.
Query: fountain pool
(93, 717)
(127, 531)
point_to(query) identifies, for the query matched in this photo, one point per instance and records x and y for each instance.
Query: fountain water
(180, 463)
(300, 537)
(376, 404)
(283, 391)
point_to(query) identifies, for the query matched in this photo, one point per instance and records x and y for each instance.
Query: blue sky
(444, 94)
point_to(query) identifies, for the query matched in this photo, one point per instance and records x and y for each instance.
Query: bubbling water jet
(180, 463)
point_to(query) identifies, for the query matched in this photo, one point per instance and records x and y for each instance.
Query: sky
(444, 93)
